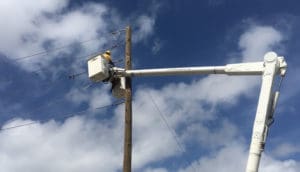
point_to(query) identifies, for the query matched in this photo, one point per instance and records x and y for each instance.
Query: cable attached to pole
(63, 117)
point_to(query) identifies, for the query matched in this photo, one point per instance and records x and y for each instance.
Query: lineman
(107, 57)
(111, 79)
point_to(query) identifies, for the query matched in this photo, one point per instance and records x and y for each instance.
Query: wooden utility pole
(128, 106)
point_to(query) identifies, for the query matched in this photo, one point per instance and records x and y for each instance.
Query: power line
(68, 45)
(65, 116)
(172, 131)
(73, 76)
(52, 50)
(54, 83)
(61, 47)
(88, 55)
(112, 47)
(55, 100)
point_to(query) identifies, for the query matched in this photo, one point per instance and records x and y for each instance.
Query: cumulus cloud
(54, 146)
(93, 97)
(31, 27)
(270, 164)
(34, 27)
(186, 110)
(285, 150)
(195, 103)
(81, 144)
(78, 144)
(233, 158)
(212, 137)
(145, 27)
(257, 41)
(254, 43)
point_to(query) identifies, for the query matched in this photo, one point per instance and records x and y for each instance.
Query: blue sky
(210, 116)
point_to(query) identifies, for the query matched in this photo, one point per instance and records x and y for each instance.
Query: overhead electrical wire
(52, 50)
(73, 76)
(172, 130)
(88, 56)
(57, 99)
(56, 82)
(62, 47)
(65, 116)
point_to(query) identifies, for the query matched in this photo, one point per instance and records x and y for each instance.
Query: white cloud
(231, 158)
(152, 139)
(234, 157)
(94, 97)
(254, 43)
(272, 165)
(22, 22)
(156, 170)
(31, 25)
(80, 144)
(285, 150)
(182, 103)
(76, 145)
(212, 137)
(257, 41)
(145, 26)
(28, 28)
